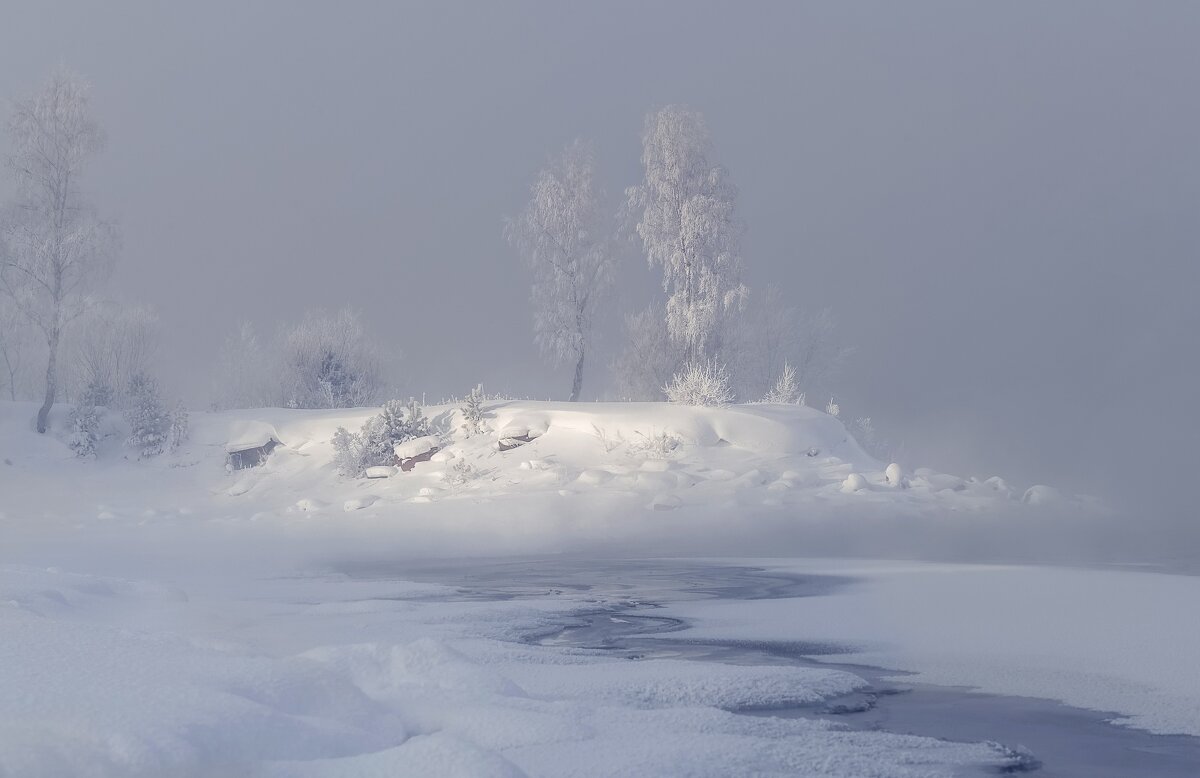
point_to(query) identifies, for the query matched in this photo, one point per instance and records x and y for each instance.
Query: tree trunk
(51, 385)
(578, 385)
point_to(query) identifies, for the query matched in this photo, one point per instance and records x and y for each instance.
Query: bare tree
(649, 358)
(565, 237)
(113, 345)
(14, 345)
(772, 333)
(55, 247)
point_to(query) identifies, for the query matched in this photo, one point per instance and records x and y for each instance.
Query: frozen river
(636, 618)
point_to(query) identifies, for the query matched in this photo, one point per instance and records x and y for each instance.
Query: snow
(1107, 640)
(316, 676)
(167, 617)
(245, 434)
(416, 447)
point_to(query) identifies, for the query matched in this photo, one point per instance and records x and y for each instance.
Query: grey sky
(999, 201)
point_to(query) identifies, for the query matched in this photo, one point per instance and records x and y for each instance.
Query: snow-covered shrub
(700, 383)
(460, 473)
(178, 433)
(374, 444)
(833, 409)
(348, 452)
(785, 390)
(85, 430)
(472, 412)
(608, 442)
(149, 422)
(656, 445)
(401, 421)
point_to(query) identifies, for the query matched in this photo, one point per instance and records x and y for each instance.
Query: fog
(998, 202)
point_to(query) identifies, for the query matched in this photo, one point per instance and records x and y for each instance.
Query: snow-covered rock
(415, 447)
(380, 471)
(854, 483)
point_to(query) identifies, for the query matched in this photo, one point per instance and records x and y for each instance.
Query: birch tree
(55, 247)
(564, 237)
(688, 227)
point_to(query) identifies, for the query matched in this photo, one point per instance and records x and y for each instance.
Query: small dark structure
(250, 443)
(251, 457)
(411, 462)
(508, 444)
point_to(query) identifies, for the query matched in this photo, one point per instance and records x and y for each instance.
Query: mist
(998, 203)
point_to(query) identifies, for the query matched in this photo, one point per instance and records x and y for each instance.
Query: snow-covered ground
(168, 617)
(618, 473)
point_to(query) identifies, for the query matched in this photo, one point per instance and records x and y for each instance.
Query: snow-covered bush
(472, 412)
(85, 430)
(149, 422)
(460, 473)
(785, 390)
(178, 433)
(832, 408)
(349, 456)
(656, 445)
(700, 383)
(374, 444)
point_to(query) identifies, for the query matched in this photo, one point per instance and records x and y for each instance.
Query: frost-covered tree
(785, 390)
(564, 236)
(178, 433)
(149, 421)
(55, 247)
(85, 430)
(112, 345)
(649, 359)
(700, 383)
(688, 227)
(330, 363)
(472, 412)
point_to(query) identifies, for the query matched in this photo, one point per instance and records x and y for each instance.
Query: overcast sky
(998, 201)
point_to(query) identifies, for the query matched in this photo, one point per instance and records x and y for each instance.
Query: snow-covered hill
(591, 472)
